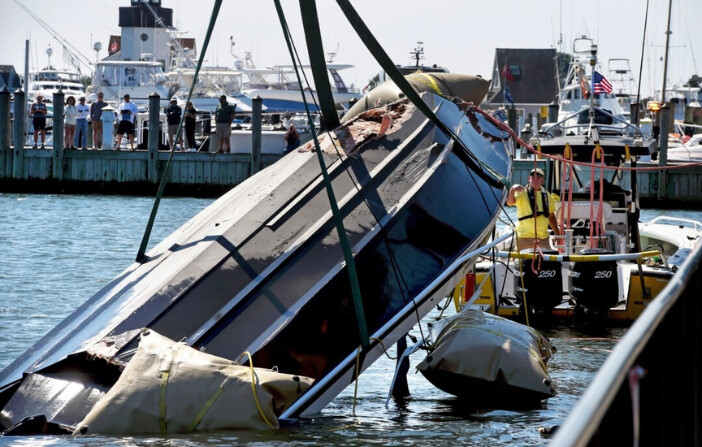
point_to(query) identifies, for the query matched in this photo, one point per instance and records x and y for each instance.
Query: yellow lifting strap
(165, 375)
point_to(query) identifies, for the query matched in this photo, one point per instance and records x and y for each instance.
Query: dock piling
(154, 117)
(663, 150)
(57, 130)
(5, 134)
(256, 118)
(20, 110)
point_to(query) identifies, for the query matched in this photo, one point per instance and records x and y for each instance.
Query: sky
(461, 35)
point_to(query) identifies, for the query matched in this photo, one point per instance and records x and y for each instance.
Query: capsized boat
(261, 269)
(487, 360)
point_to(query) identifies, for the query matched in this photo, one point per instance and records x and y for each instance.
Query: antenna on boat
(418, 53)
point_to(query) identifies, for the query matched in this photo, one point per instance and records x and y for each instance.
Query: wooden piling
(5, 134)
(663, 150)
(152, 144)
(20, 111)
(256, 118)
(57, 130)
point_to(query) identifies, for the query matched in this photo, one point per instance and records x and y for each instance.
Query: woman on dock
(70, 117)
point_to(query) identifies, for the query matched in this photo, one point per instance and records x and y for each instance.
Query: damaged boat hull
(261, 269)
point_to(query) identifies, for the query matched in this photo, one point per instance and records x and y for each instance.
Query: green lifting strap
(141, 257)
(493, 177)
(338, 220)
(310, 23)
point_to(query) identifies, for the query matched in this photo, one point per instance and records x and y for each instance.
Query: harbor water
(59, 250)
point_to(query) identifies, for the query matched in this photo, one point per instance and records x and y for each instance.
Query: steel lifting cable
(164, 176)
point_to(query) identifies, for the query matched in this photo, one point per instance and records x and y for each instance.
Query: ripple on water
(59, 250)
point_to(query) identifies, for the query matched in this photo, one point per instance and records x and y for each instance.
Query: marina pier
(205, 174)
(57, 170)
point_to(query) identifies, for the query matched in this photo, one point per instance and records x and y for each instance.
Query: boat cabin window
(600, 118)
(119, 75)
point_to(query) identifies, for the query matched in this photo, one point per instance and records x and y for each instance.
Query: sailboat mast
(667, 44)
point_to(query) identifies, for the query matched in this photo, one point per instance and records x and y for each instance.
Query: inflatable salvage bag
(169, 387)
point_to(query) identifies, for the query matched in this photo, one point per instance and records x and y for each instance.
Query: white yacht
(139, 79)
(211, 84)
(281, 94)
(50, 80)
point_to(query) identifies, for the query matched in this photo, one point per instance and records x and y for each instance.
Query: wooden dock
(196, 174)
(204, 174)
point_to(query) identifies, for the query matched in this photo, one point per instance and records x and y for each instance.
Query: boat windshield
(56, 76)
(129, 75)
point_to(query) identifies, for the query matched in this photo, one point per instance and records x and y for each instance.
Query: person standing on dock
(127, 112)
(70, 116)
(82, 124)
(190, 122)
(173, 114)
(96, 120)
(224, 115)
(529, 232)
(38, 112)
(292, 139)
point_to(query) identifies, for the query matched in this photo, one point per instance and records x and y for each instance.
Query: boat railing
(680, 221)
(648, 390)
(562, 126)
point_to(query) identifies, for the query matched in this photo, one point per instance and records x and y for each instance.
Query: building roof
(9, 78)
(535, 75)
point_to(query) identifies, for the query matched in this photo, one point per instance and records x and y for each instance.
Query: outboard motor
(594, 286)
(543, 289)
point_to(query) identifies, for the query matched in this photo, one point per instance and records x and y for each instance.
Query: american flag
(602, 85)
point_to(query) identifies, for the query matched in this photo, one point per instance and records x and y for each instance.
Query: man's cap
(174, 100)
(539, 171)
(126, 95)
(223, 97)
(82, 98)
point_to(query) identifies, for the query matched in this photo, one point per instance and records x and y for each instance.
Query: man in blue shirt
(81, 137)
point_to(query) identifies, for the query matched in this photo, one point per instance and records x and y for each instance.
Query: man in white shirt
(81, 137)
(127, 112)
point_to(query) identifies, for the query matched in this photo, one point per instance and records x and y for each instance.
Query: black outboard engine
(543, 289)
(594, 286)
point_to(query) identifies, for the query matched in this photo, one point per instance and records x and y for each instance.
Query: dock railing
(648, 390)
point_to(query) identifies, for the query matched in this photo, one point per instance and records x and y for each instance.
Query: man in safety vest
(530, 231)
